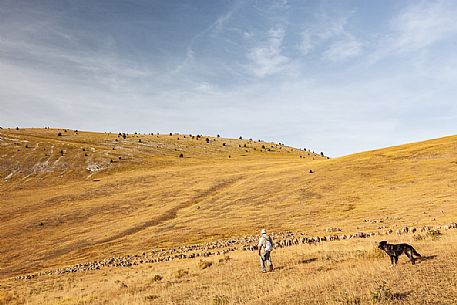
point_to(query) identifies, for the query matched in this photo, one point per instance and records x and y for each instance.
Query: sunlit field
(77, 197)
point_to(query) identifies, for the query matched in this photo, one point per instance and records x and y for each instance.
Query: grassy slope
(55, 211)
(341, 272)
(152, 198)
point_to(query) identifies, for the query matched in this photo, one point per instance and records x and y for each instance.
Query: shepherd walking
(265, 248)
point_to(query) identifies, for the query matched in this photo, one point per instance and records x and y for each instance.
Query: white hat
(263, 231)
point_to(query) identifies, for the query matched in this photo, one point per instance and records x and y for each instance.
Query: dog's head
(382, 244)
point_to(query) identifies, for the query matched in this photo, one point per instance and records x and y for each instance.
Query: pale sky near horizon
(332, 76)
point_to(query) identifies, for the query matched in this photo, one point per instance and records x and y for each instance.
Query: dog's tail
(415, 252)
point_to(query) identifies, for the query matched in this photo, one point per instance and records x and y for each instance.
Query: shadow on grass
(427, 258)
(307, 260)
(302, 261)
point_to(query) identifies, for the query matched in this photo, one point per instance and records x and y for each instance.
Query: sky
(333, 76)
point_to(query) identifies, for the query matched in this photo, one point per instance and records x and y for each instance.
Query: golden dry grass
(341, 272)
(54, 212)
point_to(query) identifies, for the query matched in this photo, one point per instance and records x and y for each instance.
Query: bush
(434, 234)
(151, 297)
(204, 264)
(418, 237)
(180, 273)
(381, 294)
(181, 155)
(220, 300)
(156, 278)
(224, 259)
(59, 134)
(431, 234)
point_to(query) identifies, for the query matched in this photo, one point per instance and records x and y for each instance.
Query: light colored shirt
(263, 241)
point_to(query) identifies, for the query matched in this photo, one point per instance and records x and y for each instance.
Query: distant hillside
(68, 154)
(59, 212)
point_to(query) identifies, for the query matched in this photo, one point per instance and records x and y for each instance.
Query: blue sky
(333, 76)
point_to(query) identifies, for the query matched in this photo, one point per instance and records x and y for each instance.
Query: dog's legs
(409, 254)
(416, 253)
(396, 259)
(392, 260)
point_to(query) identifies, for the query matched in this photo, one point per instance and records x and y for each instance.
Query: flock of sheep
(222, 247)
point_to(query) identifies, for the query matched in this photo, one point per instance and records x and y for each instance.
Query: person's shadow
(308, 260)
(303, 261)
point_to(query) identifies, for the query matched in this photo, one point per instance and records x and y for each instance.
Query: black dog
(395, 250)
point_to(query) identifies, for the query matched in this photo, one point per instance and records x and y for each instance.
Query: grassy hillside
(344, 272)
(70, 195)
(73, 198)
